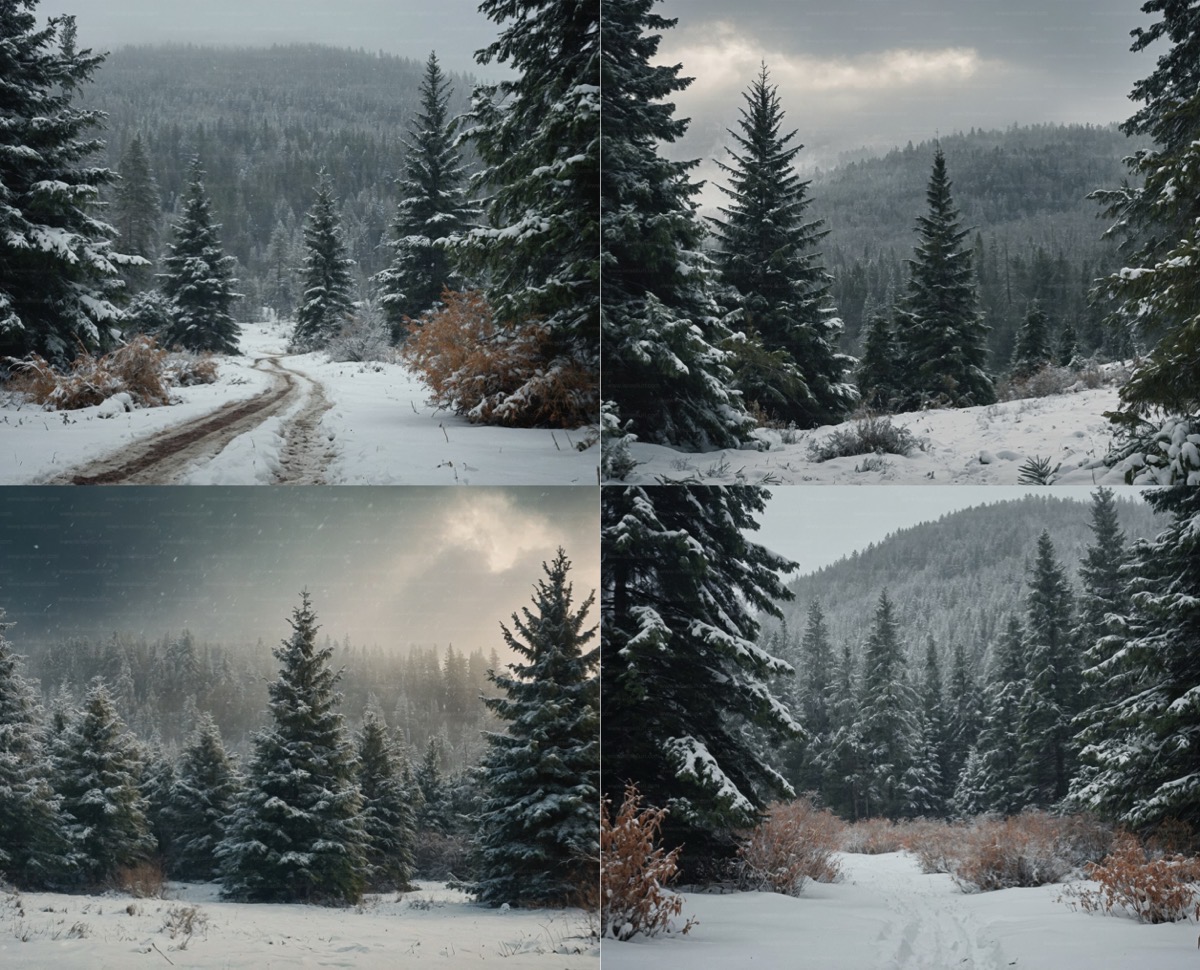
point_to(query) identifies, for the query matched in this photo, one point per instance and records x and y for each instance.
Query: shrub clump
(1163, 889)
(1030, 849)
(495, 374)
(634, 872)
(873, 836)
(873, 435)
(794, 843)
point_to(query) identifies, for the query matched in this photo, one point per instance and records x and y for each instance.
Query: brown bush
(634, 872)
(497, 374)
(873, 836)
(793, 844)
(138, 369)
(1165, 889)
(187, 369)
(141, 880)
(1031, 849)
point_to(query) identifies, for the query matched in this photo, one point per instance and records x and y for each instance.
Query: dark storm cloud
(879, 73)
(384, 566)
(455, 28)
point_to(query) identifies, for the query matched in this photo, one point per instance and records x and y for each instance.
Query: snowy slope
(432, 927)
(885, 913)
(983, 445)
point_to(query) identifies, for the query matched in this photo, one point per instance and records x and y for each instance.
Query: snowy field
(983, 445)
(433, 927)
(352, 424)
(885, 913)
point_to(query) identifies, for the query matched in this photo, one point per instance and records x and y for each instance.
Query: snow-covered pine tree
(815, 675)
(538, 135)
(990, 780)
(1067, 344)
(764, 250)
(97, 771)
(296, 829)
(58, 270)
(941, 332)
(878, 373)
(198, 277)
(931, 760)
(1104, 588)
(965, 711)
(1157, 294)
(157, 779)
(281, 285)
(432, 810)
(326, 282)
(1144, 750)
(681, 672)
(839, 758)
(887, 727)
(137, 212)
(201, 797)
(33, 847)
(433, 208)
(662, 328)
(388, 818)
(1053, 683)
(1033, 349)
(538, 840)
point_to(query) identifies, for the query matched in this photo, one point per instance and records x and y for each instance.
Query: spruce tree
(538, 135)
(840, 758)
(1143, 752)
(389, 821)
(59, 274)
(98, 774)
(681, 673)
(326, 303)
(764, 250)
(433, 208)
(887, 728)
(1157, 293)
(932, 761)
(965, 711)
(941, 333)
(1052, 674)
(296, 830)
(33, 847)
(198, 278)
(1033, 350)
(137, 211)
(663, 370)
(201, 798)
(538, 839)
(879, 373)
(432, 811)
(815, 676)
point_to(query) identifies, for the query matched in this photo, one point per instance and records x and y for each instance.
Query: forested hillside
(957, 579)
(264, 123)
(1025, 191)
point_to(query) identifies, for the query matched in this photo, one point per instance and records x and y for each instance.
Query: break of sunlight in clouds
(494, 528)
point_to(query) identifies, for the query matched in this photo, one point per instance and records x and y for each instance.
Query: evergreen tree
(326, 279)
(98, 775)
(933, 750)
(1051, 698)
(198, 278)
(764, 251)
(815, 683)
(433, 208)
(1033, 350)
(662, 328)
(839, 759)
(280, 292)
(201, 798)
(58, 271)
(388, 818)
(1157, 293)
(1143, 752)
(33, 845)
(538, 836)
(1068, 344)
(296, 830)
(964, 715)
(878, 374)
(156, 781)
(432, 812)
(538, 135)
(942, 335)
(137, 211)
(887, 726)
(681, 673)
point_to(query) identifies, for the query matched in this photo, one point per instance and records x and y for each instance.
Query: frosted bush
(793, 844)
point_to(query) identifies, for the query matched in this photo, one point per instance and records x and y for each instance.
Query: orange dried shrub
(497, 374)
(1165, 889)
(873, 836)
(1030, 849)
(634, 872)
(794, 843)
(137, 368)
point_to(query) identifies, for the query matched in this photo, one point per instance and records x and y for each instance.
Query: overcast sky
(879, 73)
(818, 525)
(386, 566)
(409, 28)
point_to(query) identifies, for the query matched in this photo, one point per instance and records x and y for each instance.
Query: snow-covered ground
(885, 913)
(377, 430)
(984, 445)
(434, 927)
